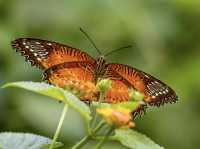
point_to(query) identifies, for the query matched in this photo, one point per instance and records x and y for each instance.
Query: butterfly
(64, 65)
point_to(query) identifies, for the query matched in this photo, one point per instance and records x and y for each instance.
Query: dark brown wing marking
(156, 92)
(86, 66)
(45, 54)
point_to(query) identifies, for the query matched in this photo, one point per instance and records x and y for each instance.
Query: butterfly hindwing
(155, 91)
(45, 54)
(76, 76)
(118, 92)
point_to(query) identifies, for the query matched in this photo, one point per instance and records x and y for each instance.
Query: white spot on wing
(146, 76)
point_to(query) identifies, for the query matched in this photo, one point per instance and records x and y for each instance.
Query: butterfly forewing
(155, 91)
(45, 54)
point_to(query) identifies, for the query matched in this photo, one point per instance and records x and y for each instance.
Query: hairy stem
(98, 127)
(101, 143)
(94, 120)
(89, 136)
(59, 126)
(82, 142)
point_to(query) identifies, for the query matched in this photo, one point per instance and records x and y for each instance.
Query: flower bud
(135, 95)
(104, 85)
(118, 117)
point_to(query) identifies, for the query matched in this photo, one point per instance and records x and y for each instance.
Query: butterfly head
(100, 67)
(101, 59)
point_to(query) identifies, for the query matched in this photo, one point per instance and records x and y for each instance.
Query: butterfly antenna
(88, 37)
(118, 49)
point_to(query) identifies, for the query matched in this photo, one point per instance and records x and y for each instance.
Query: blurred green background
(166, 43)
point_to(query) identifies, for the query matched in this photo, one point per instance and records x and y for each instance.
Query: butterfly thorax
(100, 67)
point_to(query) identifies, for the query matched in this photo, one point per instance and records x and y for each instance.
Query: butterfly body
(66, 66)
(100, 68)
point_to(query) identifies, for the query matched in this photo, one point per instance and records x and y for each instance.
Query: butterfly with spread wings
(64, 65)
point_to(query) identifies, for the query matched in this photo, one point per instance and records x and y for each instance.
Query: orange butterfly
(64, 65)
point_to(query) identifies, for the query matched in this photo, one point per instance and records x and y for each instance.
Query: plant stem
(100, 144)
(94, 120)
(92, 132)
(89, 136)
(101, 99)
(102, 96)
(59, 126)
(82, 142)
(98, 127)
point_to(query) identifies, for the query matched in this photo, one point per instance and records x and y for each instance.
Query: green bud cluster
(135, 95)
(104, 85)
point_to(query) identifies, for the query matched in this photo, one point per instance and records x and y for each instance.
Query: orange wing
(64, 66)
(77, 76)
(155, 91)
(119, 92)
(45, 54)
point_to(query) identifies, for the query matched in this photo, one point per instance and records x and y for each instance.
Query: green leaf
(9, 140)
(101, 105)
(134, 139)
(56, 93)
(135, 95)
(131, 105)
